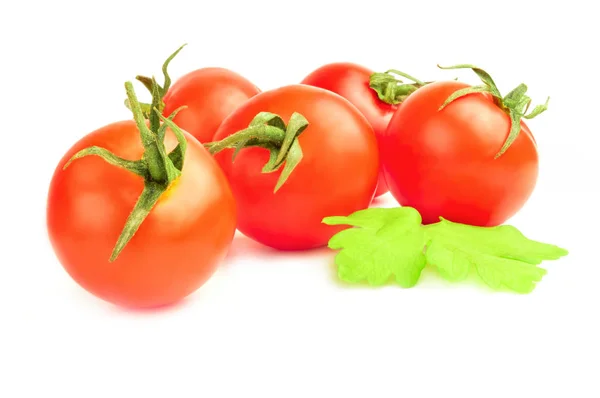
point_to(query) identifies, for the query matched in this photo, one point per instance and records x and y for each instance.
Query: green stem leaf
(153, 118)
(151, 153)
(268, 130)
(463, 92)
(178, 154)
(293, 157)
(251, 136)
(268, 118)
(515, 128)
(158, 92)
(391, 90)
(537, 110)
(167, 83)
(265, 129)
(150, 134)
(135, 166)
(163, 127)
(515, 103)
(483, 75)
(158, 168)
(171, 172)
(406, 75)
(515, 95)
(150, 195)
(271, 164)
(296, 125)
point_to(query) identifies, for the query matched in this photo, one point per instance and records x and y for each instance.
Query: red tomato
(210, 94)
(443, 162)
(177, 247)
(351, 81)
(336, 176)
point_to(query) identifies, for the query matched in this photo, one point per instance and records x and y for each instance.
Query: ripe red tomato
(352, 82)
(443, 162)
(210, 94)
(176, 248)
(336, 176)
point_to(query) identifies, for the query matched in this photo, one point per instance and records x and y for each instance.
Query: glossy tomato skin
(336, 176)
(442, 163)
(351, 81)
(177, 247)
(210, 94)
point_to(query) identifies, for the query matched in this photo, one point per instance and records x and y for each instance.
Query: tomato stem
(516, 103)
(391, 90)
(158, 168)
(251, 136)
(268, 130)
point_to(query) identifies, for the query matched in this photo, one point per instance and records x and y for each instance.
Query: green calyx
(516, 103)
(268, 130)
(392, 90)
(158, 168)
(158, 92)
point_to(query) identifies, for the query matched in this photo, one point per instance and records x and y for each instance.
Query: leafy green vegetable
(391, 242)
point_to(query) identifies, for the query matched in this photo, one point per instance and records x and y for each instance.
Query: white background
(280, 325)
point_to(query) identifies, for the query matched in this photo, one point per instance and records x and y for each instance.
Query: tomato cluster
(141, 212)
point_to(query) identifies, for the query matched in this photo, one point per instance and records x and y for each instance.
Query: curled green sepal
(151, 84)
(462, 92)
(161, 169)
(135, 166)
(392, 90)
(178, 154)
(516, 103)
(146, 201)
(158, 168)
(269, 131)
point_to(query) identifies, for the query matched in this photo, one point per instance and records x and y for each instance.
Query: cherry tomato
(336, 176)
(444, 162)
(210, 94)
(352, 81)
(176, 248)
